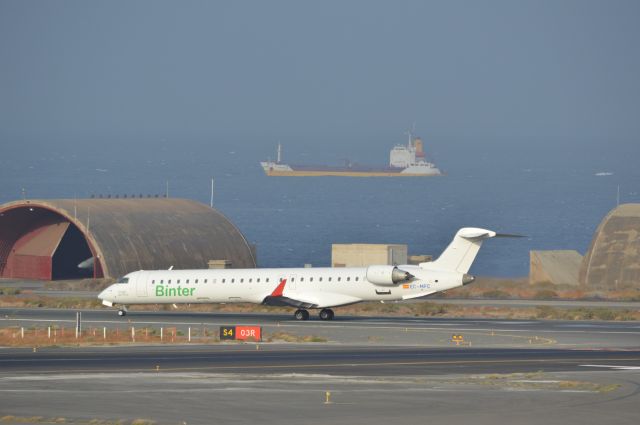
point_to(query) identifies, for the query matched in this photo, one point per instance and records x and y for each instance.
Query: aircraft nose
(104, 294)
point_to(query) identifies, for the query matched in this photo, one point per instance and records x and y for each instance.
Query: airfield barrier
(40, 336)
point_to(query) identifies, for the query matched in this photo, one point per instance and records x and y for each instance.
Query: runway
(296, 358)
(370, 370)
(370, 345)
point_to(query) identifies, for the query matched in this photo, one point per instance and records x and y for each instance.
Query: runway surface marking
(556, 361)
(615, 367)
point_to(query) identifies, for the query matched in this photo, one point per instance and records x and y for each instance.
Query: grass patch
(431, 309)
(545, 294)
(287, 337)
(9, 419)
(61, 336)
(94, 285)
(537, 381)
(142, 422)
(497, 294)
(10, 291)
(584, 313)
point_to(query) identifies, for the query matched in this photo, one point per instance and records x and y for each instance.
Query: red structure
(40, 242)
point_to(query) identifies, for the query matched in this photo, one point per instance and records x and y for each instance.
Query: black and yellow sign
(227, 333)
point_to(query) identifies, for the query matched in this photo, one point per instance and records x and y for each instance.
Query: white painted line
(614, 367)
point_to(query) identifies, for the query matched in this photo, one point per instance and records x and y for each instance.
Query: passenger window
(267, 280)
(310, 279)
(196, 280)
(348, 279)
(357, 278)
(178, 281)
(168, 281)
(329, 279)
(249, 280)
(206, 280)
(161, 281)
(293, 279)
(241, 280)
(258, 280)
(302, 279)
(153, 281)
(224, 280)
(233, 280)
(320, 279)
(339, 279)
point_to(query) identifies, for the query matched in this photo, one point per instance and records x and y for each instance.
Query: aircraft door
(140, 281)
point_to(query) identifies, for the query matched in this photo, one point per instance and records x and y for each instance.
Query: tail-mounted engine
(387, 275)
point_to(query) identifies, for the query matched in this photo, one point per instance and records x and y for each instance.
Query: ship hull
(321, 173)
(285, 170)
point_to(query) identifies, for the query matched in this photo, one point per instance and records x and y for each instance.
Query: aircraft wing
(308, 299)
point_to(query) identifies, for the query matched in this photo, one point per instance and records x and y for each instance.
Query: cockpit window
(123, 280)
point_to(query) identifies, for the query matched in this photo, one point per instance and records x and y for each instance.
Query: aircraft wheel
(122, 313)
(326, 314)
(301, 314)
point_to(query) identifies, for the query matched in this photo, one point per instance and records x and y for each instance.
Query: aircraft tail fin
(462, 250)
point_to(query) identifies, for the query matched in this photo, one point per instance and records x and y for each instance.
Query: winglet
(279, 289)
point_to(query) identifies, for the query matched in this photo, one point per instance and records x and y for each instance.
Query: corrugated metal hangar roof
(613, 259)
(47, 239)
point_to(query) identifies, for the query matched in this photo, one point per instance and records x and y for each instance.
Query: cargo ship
(404, 161)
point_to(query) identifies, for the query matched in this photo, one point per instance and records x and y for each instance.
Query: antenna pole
(279, 153)
(618, 197)
(211, 192)
(166, 194)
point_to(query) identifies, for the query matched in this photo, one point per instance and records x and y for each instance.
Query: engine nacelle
(387, 275)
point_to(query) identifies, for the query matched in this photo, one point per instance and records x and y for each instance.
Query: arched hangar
(49, 239)
(613, 259)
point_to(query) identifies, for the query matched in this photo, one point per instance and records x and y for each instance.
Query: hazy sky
(109, 73)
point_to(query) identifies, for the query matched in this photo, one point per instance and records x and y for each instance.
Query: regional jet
(302, 288)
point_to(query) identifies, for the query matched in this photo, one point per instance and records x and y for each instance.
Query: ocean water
(554, 198)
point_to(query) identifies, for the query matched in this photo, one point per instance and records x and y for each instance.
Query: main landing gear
(301, 314)
(325, 314)
(122, 312)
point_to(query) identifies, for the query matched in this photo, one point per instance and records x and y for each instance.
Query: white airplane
(304, 288)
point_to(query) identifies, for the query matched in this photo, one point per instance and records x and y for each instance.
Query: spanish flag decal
(405, 286)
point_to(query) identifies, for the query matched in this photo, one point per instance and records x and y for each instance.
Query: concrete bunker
(49, 239)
